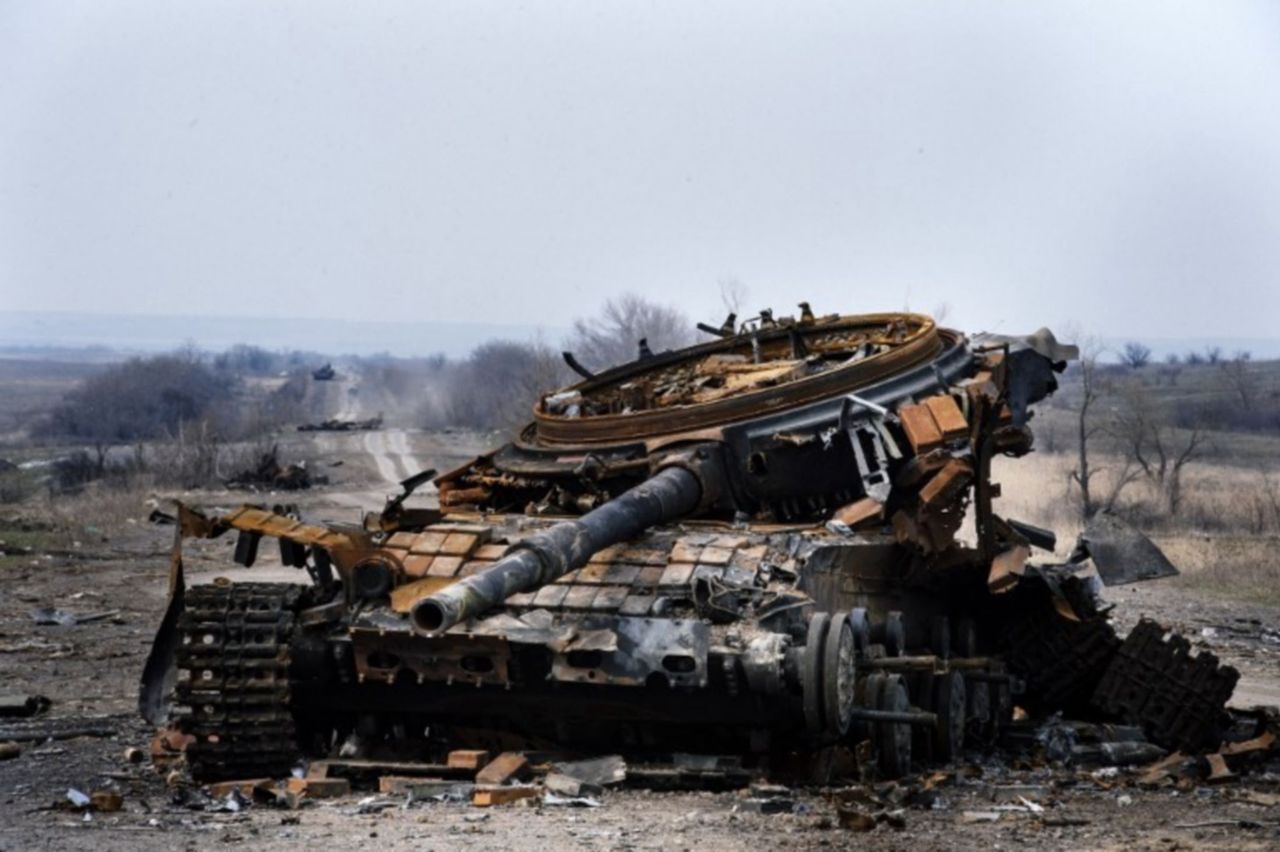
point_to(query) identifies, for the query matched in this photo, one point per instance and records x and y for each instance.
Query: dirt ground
(90, 672)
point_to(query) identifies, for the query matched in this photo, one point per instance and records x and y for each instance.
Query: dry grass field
(1225, 540)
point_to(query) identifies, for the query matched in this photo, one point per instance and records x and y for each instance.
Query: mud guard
(160, 672)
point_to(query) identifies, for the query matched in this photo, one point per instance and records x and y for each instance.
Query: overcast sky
(1112, 165)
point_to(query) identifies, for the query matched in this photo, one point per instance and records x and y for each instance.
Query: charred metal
(751, 544)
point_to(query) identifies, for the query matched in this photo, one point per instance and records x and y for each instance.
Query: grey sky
(1115, 165)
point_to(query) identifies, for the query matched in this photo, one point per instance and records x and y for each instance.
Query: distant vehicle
(324, 374)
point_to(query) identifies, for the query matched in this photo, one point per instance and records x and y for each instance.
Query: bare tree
(1241, 379)
(1213, 354)
(1159, 449)
(1085, 430)
(734, 294)
(1135, 355)
(1087, 427)
(614, 337)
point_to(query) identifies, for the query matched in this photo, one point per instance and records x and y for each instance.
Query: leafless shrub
(189, 459)
(245, 360)
(734, 295)
(1242, 381)
(1170, 373)
(1135, 355)
(1088, 428)
(141, 399)
(1160, 450)
(102, 506)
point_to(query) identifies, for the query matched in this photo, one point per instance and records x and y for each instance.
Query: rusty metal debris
(270, 474)
(748, 547)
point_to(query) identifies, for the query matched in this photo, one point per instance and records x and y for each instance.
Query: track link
(1155, 681)
(1061, 661)
(233, 687)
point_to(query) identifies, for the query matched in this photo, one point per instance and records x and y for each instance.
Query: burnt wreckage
(747, 545)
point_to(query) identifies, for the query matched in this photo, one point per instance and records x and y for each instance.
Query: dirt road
(392, 455)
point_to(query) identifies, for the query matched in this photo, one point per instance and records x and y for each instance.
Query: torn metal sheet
(1121, 553)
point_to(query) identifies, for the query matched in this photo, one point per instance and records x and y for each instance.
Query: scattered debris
(365, 774)
(246, 788)
(232, 803)
(270, 474)
(374, 805)
(856, 819)
(55, 729)
(766, 805)
(970, 817)
(555, 800)
(1266, 800)
(467, 759)
(339, 425)
(597, 773)
(51, 616)
(422, 789)
(560, 784)
(1248, 824)
(1127, 753)
(50, 650)
(503, 768)
(22, 705)
(318, 788)
(168, 747)
(1219, 772)
(853, 819)
(487, 796)
(106, 801)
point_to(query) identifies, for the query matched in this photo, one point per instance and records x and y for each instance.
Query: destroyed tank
(756, 545)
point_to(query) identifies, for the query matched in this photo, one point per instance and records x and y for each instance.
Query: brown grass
(1225, 540)
(101, 509)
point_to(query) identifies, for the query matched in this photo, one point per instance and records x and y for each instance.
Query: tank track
(1156, 681)
(1060, 661)
(233, 687)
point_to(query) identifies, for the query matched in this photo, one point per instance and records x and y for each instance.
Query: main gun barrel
(539, 559)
